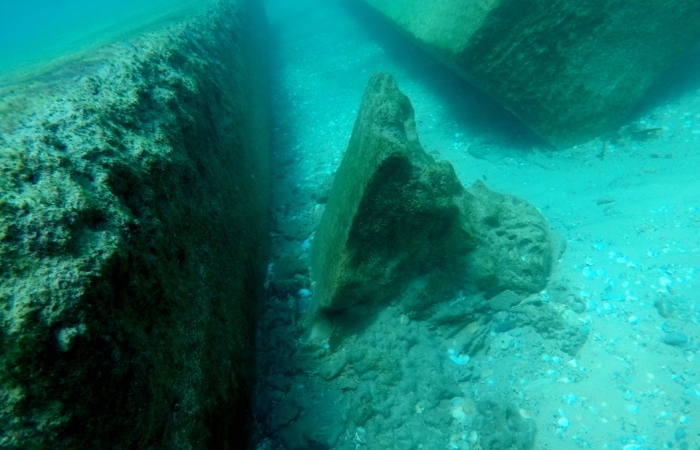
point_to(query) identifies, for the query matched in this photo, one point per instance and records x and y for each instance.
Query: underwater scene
(37, 33)
(601, 355)
(350, 225)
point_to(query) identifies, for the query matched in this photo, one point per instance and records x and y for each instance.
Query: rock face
(399, 226)
(133, 206)
(568, 70)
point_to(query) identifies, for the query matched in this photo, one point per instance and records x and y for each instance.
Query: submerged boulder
(569, 70)
(399, 227)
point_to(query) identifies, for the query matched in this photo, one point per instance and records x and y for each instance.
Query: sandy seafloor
(627, 205)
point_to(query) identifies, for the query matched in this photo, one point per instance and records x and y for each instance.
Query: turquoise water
(627, 210)
(35, 34)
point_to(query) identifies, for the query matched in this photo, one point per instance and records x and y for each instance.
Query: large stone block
(399, 227)
(569, 70)
(133, 233)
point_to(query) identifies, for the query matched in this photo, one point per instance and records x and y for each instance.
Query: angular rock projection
(133, 233)
(399, 226)
(569, 70)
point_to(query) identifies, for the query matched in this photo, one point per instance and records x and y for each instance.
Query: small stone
(457, 401)
(563, 422)
(459, 414)
(675, 338)
(504, 301)
(333, 366)
(505, 342)
(588, 272)
(460, 360)
(679, 433)
(473, 437)
(665, 281)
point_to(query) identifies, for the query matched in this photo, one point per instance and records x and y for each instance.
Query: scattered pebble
(675, 338)
(563, 422)
(460, 360)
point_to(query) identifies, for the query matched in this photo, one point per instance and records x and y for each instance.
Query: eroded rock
(133, 232)
(400, 227)
(501, 427)
(569, 70)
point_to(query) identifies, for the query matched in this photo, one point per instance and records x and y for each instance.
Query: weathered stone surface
(504, 301)
(399, 226)
(514, 248)
(133, 206)
(501, 427)
(568, 70)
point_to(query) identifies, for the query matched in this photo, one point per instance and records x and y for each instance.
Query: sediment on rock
(569, 71)
(400, 228)
(133, 237)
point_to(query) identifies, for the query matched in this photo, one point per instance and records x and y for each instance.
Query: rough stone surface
(569, 70)
(399, 226)
(133, 206)
(501, 426)
(515, 248)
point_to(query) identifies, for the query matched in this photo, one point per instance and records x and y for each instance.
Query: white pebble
(459, 414)
(461, 360)
(457, 401)
(570, 399)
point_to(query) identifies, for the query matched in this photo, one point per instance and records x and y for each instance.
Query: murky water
(37, 33)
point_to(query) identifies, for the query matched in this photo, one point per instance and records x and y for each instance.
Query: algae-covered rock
(568, 70)
(399, 226)
(515, 246)
(132, 243)
(391, 213)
